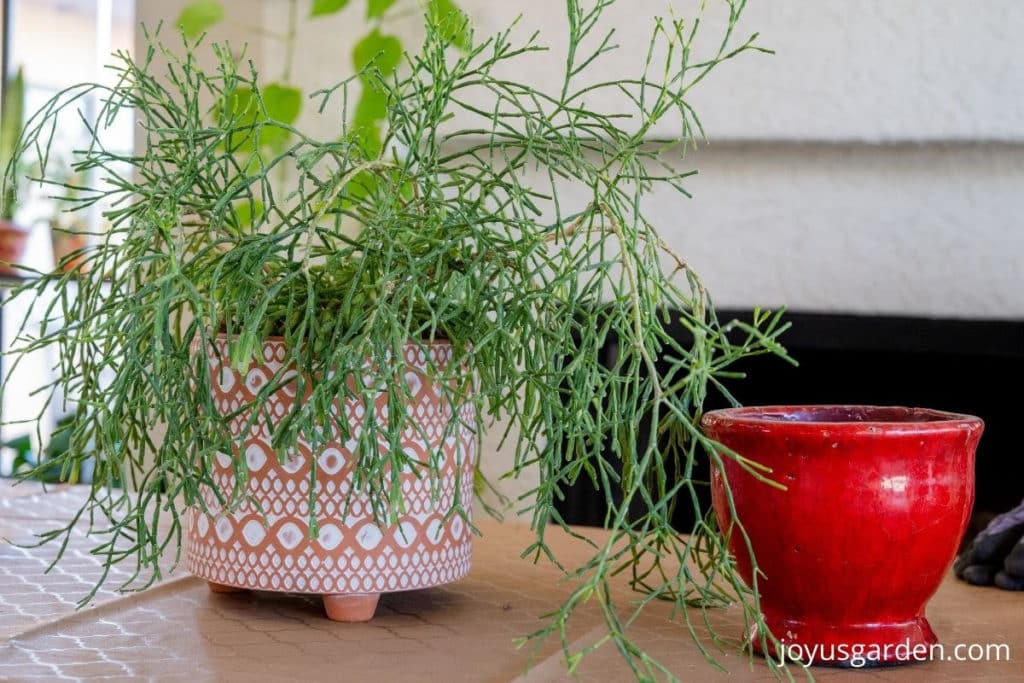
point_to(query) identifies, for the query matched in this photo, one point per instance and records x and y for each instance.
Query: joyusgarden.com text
(858, 655)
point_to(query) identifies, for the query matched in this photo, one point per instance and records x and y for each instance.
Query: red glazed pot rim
(878, 418)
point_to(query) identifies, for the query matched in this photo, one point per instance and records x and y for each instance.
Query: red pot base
(848, 645)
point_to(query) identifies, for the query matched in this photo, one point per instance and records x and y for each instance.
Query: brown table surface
(178, 631)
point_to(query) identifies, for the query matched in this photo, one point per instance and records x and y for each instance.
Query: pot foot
(223, 588)
(351, 607)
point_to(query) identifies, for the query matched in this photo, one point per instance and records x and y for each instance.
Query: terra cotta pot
(876, 503)
(353, 560)
(13, 239)
(65, 244)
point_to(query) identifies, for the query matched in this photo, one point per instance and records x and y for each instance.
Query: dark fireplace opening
(963, 366)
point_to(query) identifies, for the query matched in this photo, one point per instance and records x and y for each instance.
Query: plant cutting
(12, 110)
(349, 316)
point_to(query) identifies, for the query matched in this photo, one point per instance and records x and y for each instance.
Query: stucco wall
(873, 164)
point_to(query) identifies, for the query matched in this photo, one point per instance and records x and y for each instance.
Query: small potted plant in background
(69, 230)
(321, 390)
(12, 236)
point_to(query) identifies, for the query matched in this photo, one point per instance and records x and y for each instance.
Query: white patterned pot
(353, 560)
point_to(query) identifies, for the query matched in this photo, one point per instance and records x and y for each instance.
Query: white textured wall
(874, 164)
(876, 70)
(844, 70)
(904, 228)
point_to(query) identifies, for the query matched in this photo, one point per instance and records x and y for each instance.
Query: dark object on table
(996, 555)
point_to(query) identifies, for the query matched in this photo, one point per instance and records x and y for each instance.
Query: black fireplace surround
(966, 366)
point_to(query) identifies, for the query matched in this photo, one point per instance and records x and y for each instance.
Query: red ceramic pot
(875, 506)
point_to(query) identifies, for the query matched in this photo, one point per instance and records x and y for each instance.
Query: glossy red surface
(876, 503)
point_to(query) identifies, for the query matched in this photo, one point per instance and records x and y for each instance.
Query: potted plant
(501, 237)
(68, 239)
(69, 231)
(12, 236)
(864, 484)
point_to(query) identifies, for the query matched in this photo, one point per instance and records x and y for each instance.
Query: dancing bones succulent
(510, 221)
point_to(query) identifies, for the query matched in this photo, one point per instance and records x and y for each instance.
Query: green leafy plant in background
(24, 454)
(12, 111)
(47, 467)
(281, 101)
(514, 223)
